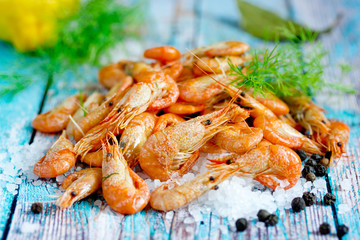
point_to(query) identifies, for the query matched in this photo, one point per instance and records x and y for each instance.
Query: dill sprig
(289, 69)
(83, 39)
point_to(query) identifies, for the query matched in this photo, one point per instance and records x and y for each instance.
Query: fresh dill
(106, 177)
(289, 69)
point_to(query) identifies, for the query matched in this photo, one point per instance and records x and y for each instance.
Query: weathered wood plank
(17, 113)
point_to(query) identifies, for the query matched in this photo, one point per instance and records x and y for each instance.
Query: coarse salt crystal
(27, 227)
(343, 208)
(346, 185)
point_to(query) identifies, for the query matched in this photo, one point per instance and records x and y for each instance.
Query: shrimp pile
(161, 113)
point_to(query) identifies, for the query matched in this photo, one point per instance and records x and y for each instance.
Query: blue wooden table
(184, 24)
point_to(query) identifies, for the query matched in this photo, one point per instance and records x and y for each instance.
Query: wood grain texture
(187, 24)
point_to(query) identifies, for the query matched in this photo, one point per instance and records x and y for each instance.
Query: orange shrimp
(135, 135)
(184, 108)
(93, 159)
(269, 165)
(163, 54)
(201, 89)
(174, 149)
(91, 103)
(57, 118)
(308, 115)
(220, 49)
(287, 118)
(113, 74)
(142, 72)
(218, 64)
(58, 160)
(94, 117)
(335, 141)
(174, 70)
(136, 100)
(278, 132)
(273, 103)
(79, 185)
(167, 120)
(238, 139)
(123, 189)
(187, 73)
(211, 147)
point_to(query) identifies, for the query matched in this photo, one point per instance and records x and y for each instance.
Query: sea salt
(27, 227)
(343, 208)
(346, 185)
(320, 184)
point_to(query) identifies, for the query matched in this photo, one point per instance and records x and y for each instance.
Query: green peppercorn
(241, 224)
(324, 229)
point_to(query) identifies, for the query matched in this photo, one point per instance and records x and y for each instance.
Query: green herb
(289, 69)
(83, 39)
(106, 177)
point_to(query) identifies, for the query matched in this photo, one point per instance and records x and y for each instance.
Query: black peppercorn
(324, 228)
(329, 199)
(298, 204)
(309, 198)
(307, 169)
(328, 154)
(316, 157)
(302, 154)
(320, 170)
(263, 215)
(311, 162)
(310, 177)
(241, 224)
(37, 207)
(272, 220)
(342, 230)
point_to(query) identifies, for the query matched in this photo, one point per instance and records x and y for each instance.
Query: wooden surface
(186, 24)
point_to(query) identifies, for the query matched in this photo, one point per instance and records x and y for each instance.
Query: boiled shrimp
(278, 132)
(217, 65)
(163, 54)
(123, 189)
(167, 120)
(238, 139)
(93, 159)
(277, 106)
(79, 185)
(114, 74)
(220, 49)
(136, 100)
(91, 103)
(201, 89)
(58, 160)
(94, 117)
(174, 150)
(308, 115)
(57, 118)
(269, 165)
(184, 108)
(135, 135)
